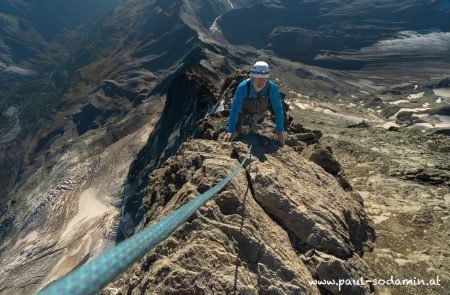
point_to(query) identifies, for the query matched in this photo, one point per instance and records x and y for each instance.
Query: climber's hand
(279, 136)
(229, 136)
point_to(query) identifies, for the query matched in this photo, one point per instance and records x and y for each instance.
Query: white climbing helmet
(260, 70)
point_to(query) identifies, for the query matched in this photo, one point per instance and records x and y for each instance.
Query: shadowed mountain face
(28, 26)
(300, 30)
(36, 40)
(51, 17)
(66, 128)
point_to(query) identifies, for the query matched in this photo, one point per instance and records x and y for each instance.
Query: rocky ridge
(302, 220)
(117, 84)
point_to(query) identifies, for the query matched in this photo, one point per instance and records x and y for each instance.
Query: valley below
(113, 117)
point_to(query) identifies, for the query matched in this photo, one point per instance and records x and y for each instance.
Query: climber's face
(259, 83)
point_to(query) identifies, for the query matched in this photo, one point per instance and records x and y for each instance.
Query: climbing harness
(255, 117)
(91, 277)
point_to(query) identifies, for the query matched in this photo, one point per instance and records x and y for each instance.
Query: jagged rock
(393, 128)
(299, 149)
(200, 257)
(145, 52)
(301, 139)
(296, 145)
(362, 124)
(323, 156)
(296, 127)
(318, 134)
(423, 217)
(209, 134)
(428, 176)
(291, 205)
(306, 136)
(357, 197)
(228, 89)
(294, 140)
(406, 117)
(443, 131)
(330, 149)
(343, 181)
(294, 208)
(207, 131)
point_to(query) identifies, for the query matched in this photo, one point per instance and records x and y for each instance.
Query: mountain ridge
(91, 121)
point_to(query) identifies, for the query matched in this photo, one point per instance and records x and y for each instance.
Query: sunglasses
(260, 72)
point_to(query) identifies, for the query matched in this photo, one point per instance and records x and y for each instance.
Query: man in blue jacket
(250, 103)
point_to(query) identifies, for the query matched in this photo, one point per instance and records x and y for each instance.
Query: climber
(251, 100)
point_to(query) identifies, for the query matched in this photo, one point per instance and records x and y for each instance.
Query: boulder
(322, 157)
(362, 124)
(296, 127)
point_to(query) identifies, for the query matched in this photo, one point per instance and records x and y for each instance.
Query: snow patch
(19, 71)
(445, 121)
(10, 112)
(214, 27)
(413, 42)
(351, 118)
(302, 106)
(387, 125)
(426, 125)
(442, 92)
(416, 95)
(419, 115)
(399, 101)
(88, 207)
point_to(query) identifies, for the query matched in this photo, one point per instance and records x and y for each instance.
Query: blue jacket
(241, 93)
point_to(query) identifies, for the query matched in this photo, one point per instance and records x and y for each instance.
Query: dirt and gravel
(403, 176)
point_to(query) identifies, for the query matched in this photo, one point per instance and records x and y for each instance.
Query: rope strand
(91, 277)
(242, 226)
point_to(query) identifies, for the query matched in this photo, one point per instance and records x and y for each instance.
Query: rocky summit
(289, 218)
(113, 113)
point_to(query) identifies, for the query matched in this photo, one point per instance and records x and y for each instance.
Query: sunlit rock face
(302, 221)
